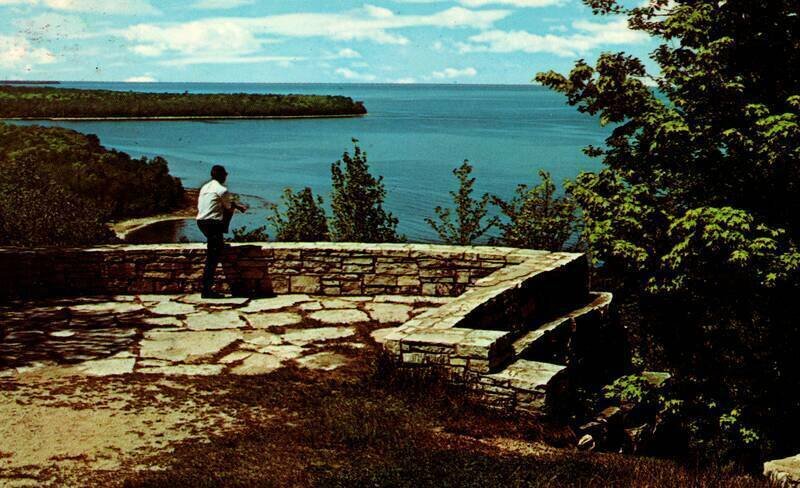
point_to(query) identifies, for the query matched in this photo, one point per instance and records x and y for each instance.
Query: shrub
(357, 202)
(470, 212)
(304, 219)
(536, 218)
(243, 234)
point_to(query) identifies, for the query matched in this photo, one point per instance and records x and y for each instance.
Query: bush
(304, 219)
(536, 218)
(470, 212)
(357, 202)
(243, 234)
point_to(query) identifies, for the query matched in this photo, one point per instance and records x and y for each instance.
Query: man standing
(214, 212)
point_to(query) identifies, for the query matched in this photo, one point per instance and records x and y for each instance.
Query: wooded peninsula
(24, 102)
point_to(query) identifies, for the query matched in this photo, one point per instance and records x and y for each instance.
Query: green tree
(36, 211)
(304, 219)
(695, 215)
(357, 202)
(470, 212)
(537, 219)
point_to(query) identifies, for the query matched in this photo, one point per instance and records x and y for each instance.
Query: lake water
(414, 135)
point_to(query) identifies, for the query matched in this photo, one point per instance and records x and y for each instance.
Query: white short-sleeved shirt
(213, 201)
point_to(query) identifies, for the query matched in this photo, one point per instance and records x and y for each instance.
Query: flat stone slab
(338, 303)
(196, 299)
(186, 370)
(388, 313)
(107, 308)
(323, 361)
(310, 306)
(172, 308)
(282, 352)
(261, 338)
(379, 335)
(274, 303)
(340, 316)
(784, 472)
(107, 367)
(528, 375)
(227, 319)
(235, 357)
(275, 319)
(164, 321)
(302, 337)
(63, 333)
(184, 345)
(258, 364)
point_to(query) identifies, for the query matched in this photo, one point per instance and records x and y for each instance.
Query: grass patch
(387, 429)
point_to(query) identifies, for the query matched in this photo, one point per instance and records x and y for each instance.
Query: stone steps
(553, 335)
(522, 386)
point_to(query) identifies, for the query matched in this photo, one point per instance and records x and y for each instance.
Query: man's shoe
(211, 295)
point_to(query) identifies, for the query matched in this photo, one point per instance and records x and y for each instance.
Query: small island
(46, 103)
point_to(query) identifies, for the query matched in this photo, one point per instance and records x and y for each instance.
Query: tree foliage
(60, 187)
(246, 234)
(303, 220)
(357, 202)
(695, 214)
(47, 102)
(470, 213)
(536, 218)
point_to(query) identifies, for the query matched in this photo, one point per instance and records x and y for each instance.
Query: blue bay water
(414, 135)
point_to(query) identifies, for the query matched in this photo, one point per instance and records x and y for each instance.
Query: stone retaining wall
(254, 269)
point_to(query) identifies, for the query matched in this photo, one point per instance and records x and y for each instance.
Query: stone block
(380, 280)
(784, 472)
(357, 268)
(278, 284)
(305, 284)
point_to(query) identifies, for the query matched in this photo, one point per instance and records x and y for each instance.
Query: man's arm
(230, 204)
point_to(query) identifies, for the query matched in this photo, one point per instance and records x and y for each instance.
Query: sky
(303, 41)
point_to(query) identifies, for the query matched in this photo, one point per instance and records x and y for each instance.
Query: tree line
(47, 102)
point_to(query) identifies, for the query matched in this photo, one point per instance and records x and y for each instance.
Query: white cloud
(588, 35)
(141, 79)
(404, 81)
(222, 59)
(349, 74)
(223, 37)
(449, 73)
(377, 12)
(17, 52)
(348, 53)
(109, 7)
(237, 36)
(221, 4)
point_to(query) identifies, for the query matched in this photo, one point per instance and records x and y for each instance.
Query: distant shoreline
(182, 118)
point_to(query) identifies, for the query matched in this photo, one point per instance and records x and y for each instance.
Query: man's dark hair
(218, 173)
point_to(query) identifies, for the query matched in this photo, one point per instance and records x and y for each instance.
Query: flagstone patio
(187, 335)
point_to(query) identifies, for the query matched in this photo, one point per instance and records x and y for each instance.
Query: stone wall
(253, 269)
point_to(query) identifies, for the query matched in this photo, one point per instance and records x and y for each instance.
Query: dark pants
(213, 230)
